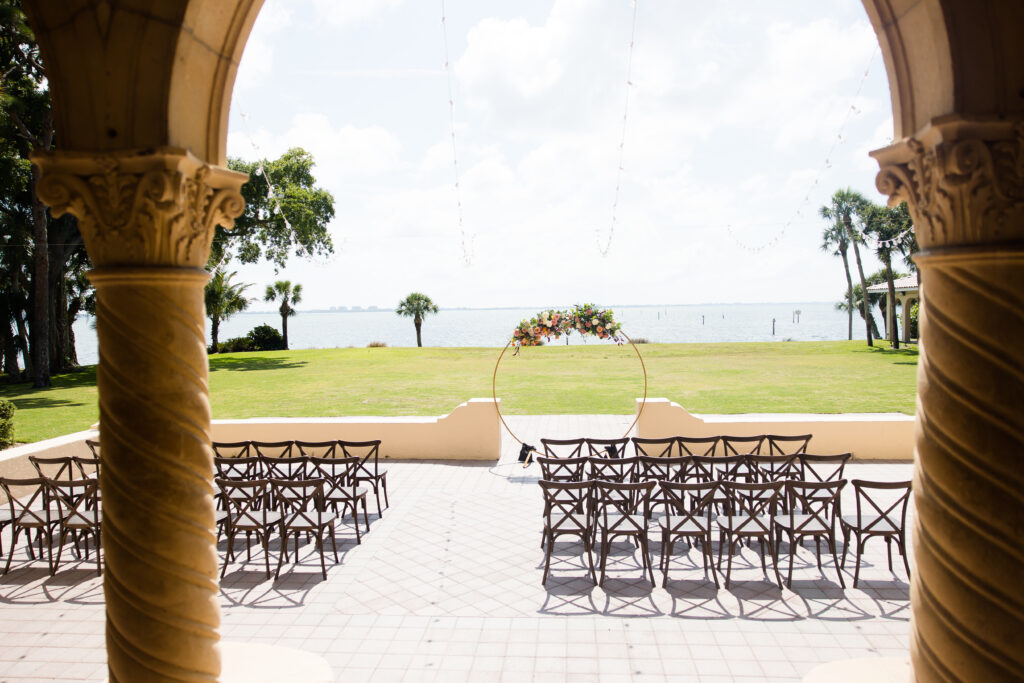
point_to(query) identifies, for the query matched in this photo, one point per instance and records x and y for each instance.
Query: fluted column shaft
(147, 220)
(964, 183)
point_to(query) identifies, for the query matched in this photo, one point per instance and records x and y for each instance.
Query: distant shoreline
(539, 308)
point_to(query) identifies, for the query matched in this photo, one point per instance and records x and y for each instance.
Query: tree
(858, 305)
(289, 295)
(263, 231)
(416, 306)
(224, 298)
(836, 241)
(890, 226)
(845, 205)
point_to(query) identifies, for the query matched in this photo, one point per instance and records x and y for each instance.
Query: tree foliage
(288, 294)
(263, 232)
(416, 306)
(224, 298)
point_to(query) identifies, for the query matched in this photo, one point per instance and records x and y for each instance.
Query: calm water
(493, 327)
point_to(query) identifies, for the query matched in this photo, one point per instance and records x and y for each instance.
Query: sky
(743, 118)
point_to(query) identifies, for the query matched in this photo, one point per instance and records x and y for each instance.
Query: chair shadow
(242, 363)
(564, 596)
(625, 597)
(695, 599)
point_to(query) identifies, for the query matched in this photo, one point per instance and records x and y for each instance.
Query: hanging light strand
(466, 240)
(851, 111)
(604, 246)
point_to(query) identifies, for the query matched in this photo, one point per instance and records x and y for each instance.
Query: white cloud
(258, 58)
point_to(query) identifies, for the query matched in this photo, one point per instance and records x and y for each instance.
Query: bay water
(492, 327)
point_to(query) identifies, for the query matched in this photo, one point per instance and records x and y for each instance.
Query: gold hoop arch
(494, 389)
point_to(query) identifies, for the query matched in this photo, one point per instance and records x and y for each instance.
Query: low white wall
(869, 436)
(14, 463)
(470, 432)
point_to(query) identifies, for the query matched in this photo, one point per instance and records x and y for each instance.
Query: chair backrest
(246, 501)
(697, 445)
(881, 506)
(301, 501)
(562, 469)
(753, 504)
(339, 473)
(238, 469)
(88, 467)
(368, 453)
(656, 448)
(688, 502)
(664, 469)
(771, 467)
(741, 445)
(608, 448)
(614, 469)
(562, 448)
(274, 449)
(74, 498)
(567, 506)
(822, 467)
(787, 445)
(94, 447)
(233, 449)
(623, 507)
(293, 469)
(318, 449)
(812, 502)
(709, 468)
(32, 509)
(60, 468)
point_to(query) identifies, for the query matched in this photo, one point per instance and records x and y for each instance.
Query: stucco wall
(869, 436)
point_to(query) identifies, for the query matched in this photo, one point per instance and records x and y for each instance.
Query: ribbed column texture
(160, 579)
(967, 593)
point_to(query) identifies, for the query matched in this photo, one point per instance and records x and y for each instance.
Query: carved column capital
(963, 180)
(151, 207)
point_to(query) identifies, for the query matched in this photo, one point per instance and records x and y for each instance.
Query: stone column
(964, 183)
(147, 219)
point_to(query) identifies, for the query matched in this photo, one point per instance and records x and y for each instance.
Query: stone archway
(141, 92)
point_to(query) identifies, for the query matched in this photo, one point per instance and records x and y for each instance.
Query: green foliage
(262, 232)
(288, 294)
(416, 306)
(376, 345)
(223, 298)
(914, 332)
(265, 338)
(236, 345)
(6, 424)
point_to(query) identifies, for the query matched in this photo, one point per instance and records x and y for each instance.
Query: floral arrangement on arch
(552, 324)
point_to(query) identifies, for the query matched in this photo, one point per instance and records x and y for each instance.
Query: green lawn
(812, 377)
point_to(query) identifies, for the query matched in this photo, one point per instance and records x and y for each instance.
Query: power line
(465, 241)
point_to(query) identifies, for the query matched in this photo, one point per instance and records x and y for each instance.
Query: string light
(851, 111)
(622, 143)
(274, 198)
(467, 241)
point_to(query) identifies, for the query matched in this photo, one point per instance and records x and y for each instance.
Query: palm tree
(845, 205)
(858, 305)
(886, 225)
(289, 295)
(416, 306)
(835, 241)
(224, 298)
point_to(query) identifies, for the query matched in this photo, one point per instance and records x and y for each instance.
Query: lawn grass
(775, 377)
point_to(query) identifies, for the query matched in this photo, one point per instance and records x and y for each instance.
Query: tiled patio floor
(446, 587)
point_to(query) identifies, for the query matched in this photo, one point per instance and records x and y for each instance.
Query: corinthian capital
(962, 179)
(155, 208)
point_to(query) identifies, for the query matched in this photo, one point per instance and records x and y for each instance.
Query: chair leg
(860, 552)
(60, 548)
(320, 547)
(366, 516)
(334, 544)
(588, 548)
(280, 557)
(903, 552)
(792, 554)
(604, 558)
(888, 550)
(547, 560)
(709, 561)
(264, 539)
(99, 566)
(384, 485)
(645, 545)
(835, 562)
(728, 566)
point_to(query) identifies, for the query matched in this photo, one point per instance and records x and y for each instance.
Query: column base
(874, 669)
(251, 663)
